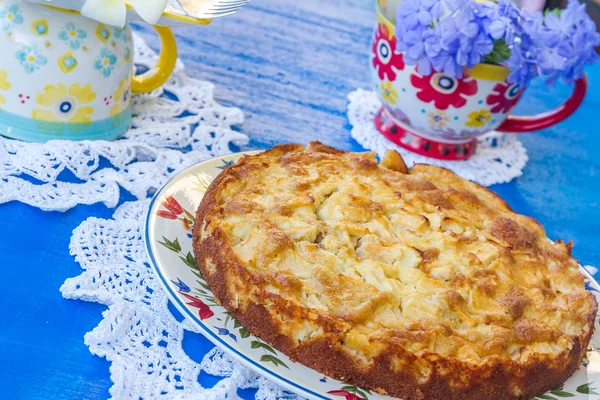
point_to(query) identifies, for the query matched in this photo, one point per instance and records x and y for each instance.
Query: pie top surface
(421, 259)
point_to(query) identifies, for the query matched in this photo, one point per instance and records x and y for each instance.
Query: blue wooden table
(289, 66)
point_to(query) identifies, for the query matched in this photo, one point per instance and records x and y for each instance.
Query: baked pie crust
(416, 283)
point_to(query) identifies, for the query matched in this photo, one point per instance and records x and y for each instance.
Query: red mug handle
(514, 124)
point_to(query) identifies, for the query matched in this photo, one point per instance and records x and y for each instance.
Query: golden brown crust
(420, 285)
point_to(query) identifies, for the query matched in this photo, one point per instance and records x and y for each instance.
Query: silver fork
(225, 7)
(213, 8)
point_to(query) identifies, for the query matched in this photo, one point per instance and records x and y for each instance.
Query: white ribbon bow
(114, 12)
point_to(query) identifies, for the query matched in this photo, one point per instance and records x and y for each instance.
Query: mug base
(412, 141)
(28, 130)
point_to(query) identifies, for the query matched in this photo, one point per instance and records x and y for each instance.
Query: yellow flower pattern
(438, 119)
(478, 119)
(4, 85)
(388, 92)
(121, 96)
(64, 104)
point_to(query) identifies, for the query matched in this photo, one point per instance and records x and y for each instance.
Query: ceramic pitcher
(63, 76)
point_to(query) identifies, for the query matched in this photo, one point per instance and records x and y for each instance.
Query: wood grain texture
(288, 65)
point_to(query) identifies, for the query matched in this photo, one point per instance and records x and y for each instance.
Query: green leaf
(268, 358)
(199, 275)
(272, 359)
(244, 333)
(362, 394)
(546, 397)
(255, 344)
(586, 389)
(267, 347)
(171, 245)
(236, 324)
(500, 53)
(189, 215)
(189, 260)
(227, 319)
(556, 11)
(212, 300)
(349, 388)
(563, 394)
(558, 391)
(199, 293)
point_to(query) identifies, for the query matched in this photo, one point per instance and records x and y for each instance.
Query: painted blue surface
(289, 66)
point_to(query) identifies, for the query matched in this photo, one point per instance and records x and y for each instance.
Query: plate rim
(178, 303)
(211, 336)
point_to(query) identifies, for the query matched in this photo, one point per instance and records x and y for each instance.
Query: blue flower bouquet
(450, 35)
(448, 71)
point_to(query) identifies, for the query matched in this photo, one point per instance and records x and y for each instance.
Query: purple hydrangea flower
(508, 9)
(567, 44)
(503, 21)
(415, 13)
(449, 35)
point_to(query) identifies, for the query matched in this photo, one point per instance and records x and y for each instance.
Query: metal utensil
(208, 8)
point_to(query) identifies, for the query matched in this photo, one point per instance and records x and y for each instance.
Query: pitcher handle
(515, 124)
(156, 76)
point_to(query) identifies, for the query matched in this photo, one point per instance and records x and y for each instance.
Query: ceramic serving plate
(169, 243)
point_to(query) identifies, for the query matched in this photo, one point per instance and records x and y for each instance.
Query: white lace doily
(138, 334)
(499, 158)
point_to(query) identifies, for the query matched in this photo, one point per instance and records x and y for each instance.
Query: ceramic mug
(64, 76)
(440, 116)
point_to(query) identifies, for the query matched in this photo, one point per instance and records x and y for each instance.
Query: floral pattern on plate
(170, 219)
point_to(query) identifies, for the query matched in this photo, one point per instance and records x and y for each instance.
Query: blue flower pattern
(72, 35)
(181, 286)
(121, 34)
(225, 164)
(11, 16)
(588, 286)
(225, 332)
(105, 62)
(31, 60)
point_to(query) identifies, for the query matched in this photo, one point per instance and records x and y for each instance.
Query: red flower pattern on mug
(504, 97)
(346, 394)
(204, 311)
(443, 90)
(385, 58)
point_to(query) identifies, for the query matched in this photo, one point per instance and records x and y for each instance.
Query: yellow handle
(160, 73)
